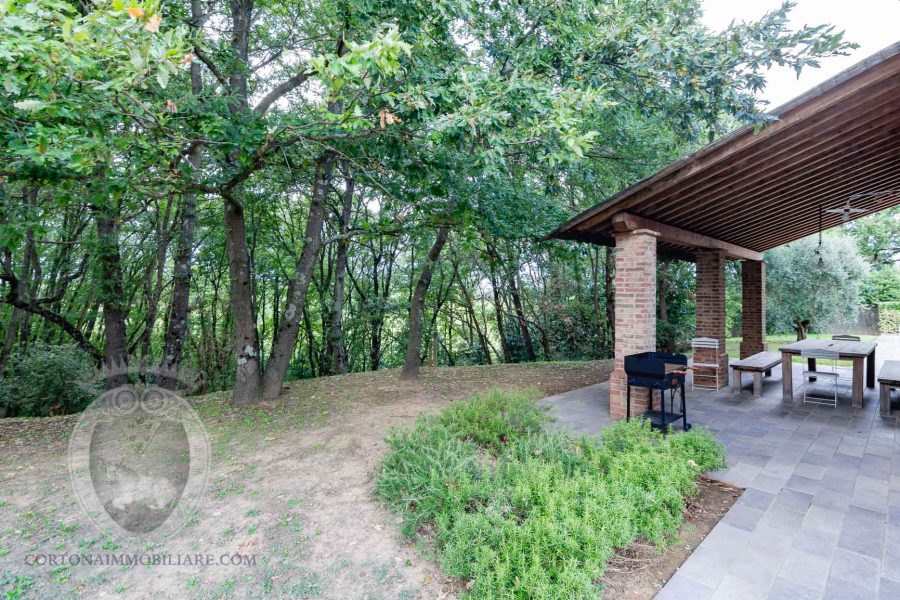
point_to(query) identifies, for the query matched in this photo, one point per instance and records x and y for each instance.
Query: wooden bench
(757, 364)
(888, 377)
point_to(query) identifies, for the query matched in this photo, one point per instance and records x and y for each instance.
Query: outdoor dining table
(857, 352)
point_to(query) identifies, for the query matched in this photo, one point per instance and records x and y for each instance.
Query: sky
(873, 24)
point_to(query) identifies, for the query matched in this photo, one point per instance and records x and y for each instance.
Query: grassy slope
(290, 480)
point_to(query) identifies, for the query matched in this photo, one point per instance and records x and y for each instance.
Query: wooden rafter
(681, 237)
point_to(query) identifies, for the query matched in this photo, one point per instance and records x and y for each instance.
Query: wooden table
(888, 378)
(857, 352)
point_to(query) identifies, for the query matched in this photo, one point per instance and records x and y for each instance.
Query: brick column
(753, 318)
(635, 312)
(711, 315)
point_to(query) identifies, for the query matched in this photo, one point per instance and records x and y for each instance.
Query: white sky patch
(873, 24)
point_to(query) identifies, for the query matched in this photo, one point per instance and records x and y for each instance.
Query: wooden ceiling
(759, 190)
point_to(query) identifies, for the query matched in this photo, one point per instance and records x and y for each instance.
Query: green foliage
(48, 380)
(796, 290)
(734, 303)
(882, 285)
(500, 119)
(878, 236)
(428, 472)
(68, 76)
(889, 317)
(494, 418)
(676, 282)
(15, 586)
(541, 515)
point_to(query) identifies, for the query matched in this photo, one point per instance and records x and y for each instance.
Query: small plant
(14, 586)
(517, 512)
(59, 575)
(109, 545)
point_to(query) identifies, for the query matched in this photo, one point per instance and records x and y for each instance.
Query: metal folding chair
(845, 375)
(707, 343)
(825, 378)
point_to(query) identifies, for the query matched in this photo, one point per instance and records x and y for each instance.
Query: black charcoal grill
(648, 370)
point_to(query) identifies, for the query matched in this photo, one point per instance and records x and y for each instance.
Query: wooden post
(787, 376)
(858, 368)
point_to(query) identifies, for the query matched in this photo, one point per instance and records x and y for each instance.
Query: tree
(796, 290)
(878, 237)
(264, 190)
(882, 285)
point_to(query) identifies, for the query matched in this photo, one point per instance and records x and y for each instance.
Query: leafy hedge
(518, 512)
(48, 380)
(889, 317)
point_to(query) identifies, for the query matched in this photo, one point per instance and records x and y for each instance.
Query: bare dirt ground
(290, 488)
(641, 570)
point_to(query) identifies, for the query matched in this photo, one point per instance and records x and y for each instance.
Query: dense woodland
(260, 190)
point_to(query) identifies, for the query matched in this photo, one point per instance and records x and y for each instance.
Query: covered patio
(835, 148)
(820, 516)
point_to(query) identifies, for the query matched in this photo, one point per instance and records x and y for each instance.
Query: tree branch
(280, 90)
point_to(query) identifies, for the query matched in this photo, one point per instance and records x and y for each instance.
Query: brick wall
(753, 319)
(711, 315)
(635, 312)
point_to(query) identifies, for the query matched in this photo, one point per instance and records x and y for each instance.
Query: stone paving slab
(820, 517)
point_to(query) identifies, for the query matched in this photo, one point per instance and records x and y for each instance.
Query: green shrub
(539, 515)
(429, 471)
(47, 380)
(495, 418)
(889, 317)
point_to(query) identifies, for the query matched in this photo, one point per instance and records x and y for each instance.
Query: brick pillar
(635, 312)
(711, 315)
(753, 318)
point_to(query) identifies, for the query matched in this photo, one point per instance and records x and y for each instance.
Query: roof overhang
(754, 190)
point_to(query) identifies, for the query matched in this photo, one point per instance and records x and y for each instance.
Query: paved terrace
(820, 517)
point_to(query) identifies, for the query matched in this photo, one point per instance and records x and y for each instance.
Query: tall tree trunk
(338, 347)
(177, 325)
(470, 309)
(594, 255)
(662, 290)
(498, 303)
(246, 337)
(16, 328)
(176, 330)
(609, 291)
(153, 283)
(113, 297)
(417, 307)
(520, 315)
(247, 379)
(286, 336)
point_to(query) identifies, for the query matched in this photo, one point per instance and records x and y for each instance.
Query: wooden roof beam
(628, 222)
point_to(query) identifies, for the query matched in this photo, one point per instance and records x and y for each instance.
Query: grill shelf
(648, 370)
